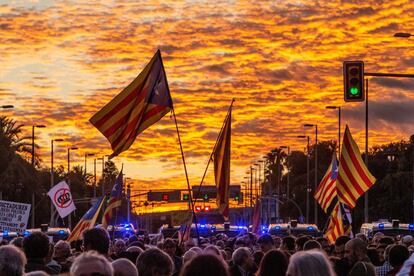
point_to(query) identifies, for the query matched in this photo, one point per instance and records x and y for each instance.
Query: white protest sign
(62, 199)
(14, 216)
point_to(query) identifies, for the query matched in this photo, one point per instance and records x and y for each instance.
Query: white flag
(62, 199)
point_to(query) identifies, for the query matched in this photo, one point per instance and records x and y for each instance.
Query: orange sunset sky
(61, 61)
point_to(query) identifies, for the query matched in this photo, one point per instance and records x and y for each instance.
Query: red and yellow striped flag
(354, 179)
(221, 158)
(335, 227)
(326, 191)
(142, 103)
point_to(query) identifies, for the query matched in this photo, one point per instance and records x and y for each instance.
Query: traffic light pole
(366, 218)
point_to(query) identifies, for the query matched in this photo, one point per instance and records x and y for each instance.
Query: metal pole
(366, 218)
(307, 183)
(70, 215)
(51, 182)
(316, 175)
(33, 193)
(278, 184)
(251, 187)
(103, 177)
(94, 178)
(339, 132)
(288, 176)
(413, 184)
(85, 164)
(128, 203)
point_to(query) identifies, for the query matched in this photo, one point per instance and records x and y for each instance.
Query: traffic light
(185, 197)
(354, 81)
(198, 209)
(205, 197)
(165, 197)
(206, 208)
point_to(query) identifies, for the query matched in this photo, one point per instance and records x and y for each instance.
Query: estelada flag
(87, 221)
(142, 103)
(221, 158)
(336, 226)
(354, 179)
(326, 191)
(115, 200)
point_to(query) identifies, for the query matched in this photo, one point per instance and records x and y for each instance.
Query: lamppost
(288, 174)
(33, 165)
(86, 156)
(405, 35)
(52, 175)
(315, 209)
(339, 125)
(128, 198)
(308, 189)
(70, 215)
(94, 171)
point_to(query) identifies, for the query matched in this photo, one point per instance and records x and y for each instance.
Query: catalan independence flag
(221, 158)
(142, 103)
(87, 221)
(340, 223)
(354, 179)
(115, 200)
(326, 192)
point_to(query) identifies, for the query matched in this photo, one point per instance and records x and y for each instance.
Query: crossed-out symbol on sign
(62, 198)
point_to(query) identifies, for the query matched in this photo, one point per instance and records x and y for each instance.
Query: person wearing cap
(266, 243)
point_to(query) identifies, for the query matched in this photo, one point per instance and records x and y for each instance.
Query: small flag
(354, 179)
(326, 191)
(87, 221)
(62, 199)
(340, 223)
(221, 158)
(142, 103)
(115, 200)
(184, 231)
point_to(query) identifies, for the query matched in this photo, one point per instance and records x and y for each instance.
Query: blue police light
(278, 228)
(61, 232)
(213, 228)
(411, 226)
(381, 226)
(263, 227)
(26, 233)
(263, 232)
(202, 226)
(310, 228)
(5, 233)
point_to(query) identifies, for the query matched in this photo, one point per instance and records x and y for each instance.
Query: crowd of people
(244, 255)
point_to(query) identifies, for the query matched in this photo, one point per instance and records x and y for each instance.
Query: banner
(14, 216)
(62, 199)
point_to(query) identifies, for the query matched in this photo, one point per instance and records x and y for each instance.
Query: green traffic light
(206, 196)
(354, 91)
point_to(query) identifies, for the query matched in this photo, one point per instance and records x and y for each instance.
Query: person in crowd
(312, 244)
(18, 242)
(240, 242)
(397, 256)
(49, 259)
(62, 255)
(36, 273)
(300, 242)
(96, 239)
(212, 249)
(36, 249)
(124, 267)
(266, 243)
(170, 247)
(277, 242)
(362, 269)
(274, 263)
(407, 240)
(91, 263)
(288, 245)
(373, 255)
(118, 247)
(362, 236)
(309, 263)
(324, 244)
(205, 265)
(339, 249)
(12, 261)
(189, 255)
(243, 263)
(386, 267)
(257, 257)
(155, 262)
(381, 250)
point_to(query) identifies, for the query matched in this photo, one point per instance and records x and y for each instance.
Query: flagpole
(214, 148)
(186, 177)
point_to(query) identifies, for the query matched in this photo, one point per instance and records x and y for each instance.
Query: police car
(294, 228)
(121, 231)
(394, 228)
(169, 231)
(54, 234)
(229, 230)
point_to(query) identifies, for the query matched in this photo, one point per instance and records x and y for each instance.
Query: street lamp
(70, 215)
(69, 149)
(339, 124)
(52, 181)
(307, 178)
(86, 156)
(7, 106)
(405, 35)
(33, 165)
(315, 209)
